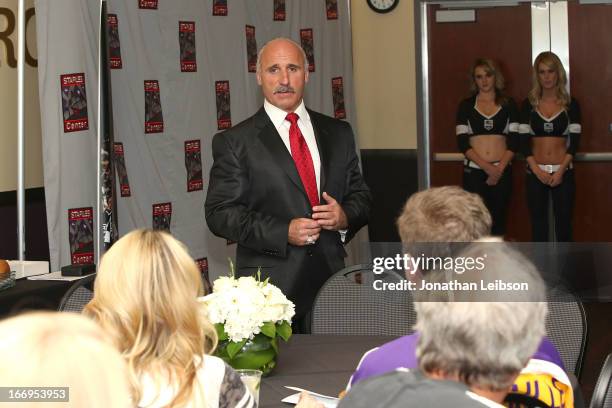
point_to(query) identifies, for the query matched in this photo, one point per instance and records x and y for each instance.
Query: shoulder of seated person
(391, 390)
(211, 361)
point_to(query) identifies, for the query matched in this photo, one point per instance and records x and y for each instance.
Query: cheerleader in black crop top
(550, 131)
(564, 124)
(487, 134)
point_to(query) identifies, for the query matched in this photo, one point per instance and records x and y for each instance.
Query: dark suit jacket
(255, 191)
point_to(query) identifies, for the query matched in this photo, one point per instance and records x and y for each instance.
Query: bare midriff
(490, 147)
(549, 150)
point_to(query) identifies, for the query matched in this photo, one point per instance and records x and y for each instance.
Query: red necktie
(302, 159)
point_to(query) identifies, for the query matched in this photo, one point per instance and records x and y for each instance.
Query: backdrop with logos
(180, 72)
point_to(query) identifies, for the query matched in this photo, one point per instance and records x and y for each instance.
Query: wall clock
(382, 6)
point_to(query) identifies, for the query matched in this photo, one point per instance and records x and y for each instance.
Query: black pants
(563, 206)
(496, 197)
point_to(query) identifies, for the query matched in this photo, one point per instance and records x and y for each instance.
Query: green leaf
(221, 334)
(259, 274)
(254, 360)
(266, 281)
(259, 353)
(283, 329)
(269, 329)
(259, 342)
(274, 345)
(233, 348)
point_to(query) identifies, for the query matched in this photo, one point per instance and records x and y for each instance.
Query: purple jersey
(401, 353)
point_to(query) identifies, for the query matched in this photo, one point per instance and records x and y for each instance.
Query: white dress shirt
(277, 116)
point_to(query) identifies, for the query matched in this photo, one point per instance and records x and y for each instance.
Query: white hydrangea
(224, 283)
(243, 305)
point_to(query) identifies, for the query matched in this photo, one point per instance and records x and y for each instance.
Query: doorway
(454, 33)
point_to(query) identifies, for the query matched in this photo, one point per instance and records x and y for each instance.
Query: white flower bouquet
(249, 316)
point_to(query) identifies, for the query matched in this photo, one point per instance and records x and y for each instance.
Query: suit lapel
(273, 142)
(324, 146)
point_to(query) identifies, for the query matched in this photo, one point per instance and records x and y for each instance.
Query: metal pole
(423, 142)
(98, 206)
(21, 39)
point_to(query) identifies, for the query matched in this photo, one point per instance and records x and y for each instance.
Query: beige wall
(385, 79)
(8, 109)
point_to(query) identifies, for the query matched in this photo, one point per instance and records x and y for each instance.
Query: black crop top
(566, 124)
(471, 122)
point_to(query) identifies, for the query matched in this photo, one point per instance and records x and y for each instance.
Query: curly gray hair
(485, 344)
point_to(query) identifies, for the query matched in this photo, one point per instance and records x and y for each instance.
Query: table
(32, 294)
(319, 363)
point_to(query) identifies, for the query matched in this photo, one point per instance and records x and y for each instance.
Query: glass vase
(258, 354)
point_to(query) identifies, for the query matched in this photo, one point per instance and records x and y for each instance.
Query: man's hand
(303, 231)
(330, 216)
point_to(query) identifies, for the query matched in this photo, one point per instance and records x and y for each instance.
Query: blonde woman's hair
(145, 297)
(50, 349)
(551, 60)
(491, 68)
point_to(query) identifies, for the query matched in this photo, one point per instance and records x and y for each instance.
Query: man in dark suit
(286, 185)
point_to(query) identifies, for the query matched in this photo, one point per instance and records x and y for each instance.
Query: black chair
(523, 401)
(79, 294)
(602, 394)
(349, 304)
(566, 327)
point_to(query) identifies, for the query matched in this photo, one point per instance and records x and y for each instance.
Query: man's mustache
(283, 89)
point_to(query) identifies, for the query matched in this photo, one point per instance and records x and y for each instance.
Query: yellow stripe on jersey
(545, 388)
